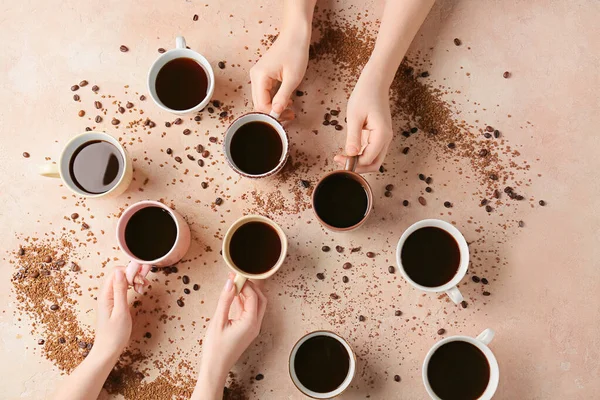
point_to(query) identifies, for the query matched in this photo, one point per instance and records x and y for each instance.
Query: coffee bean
(221, 65)
(54, 307)
(335, 113)
(489, 129)
(223, 114)
(47, 259)
(197, 118)
(414, 130)
(185, 279)
(180, 303)
(259, 377)
(123, 48)
(142, 98)
(521, 224)
(82, 344)
(154, 269)
(216, 103)
(347, 265)
(186, 291)
(186, 132)
(475, 279)
(205, 153)
(212, 139)
(484, 281)
(85, 353)
(339, 127)
(441, 331)
(406, 134)
(506, 74)
(361, 318)
(210, 110)
(405, 203)
(191, 157)
(428, 180)
(26, 154)
(21, 251)
(98, 119)
(95, 88)
(305, 184)
(74, 216)
(422, 177)
(115, 121)
(451, 145)
(178, 121)
(74, 267)
(320, 275)
(519, 197)
(370, 254)
(169, 150)
(161, 50)
(397, 313)
(486, 293)
(325, 248)
(178, 159)
(168, 124)
(299, 93)
(424, 74)
(327, 117)
(389, 187)
(84, 226)
(387, 193)
(204, 185)
(508, 189)
(494, 177)
(409, 71)
(483, 202)
(397, 378)
(333, 122)
(496, 194)
(422, 200)
(447, 204)
(457, 41)
(391, 269)
(196, 287)
(76, 97)
(405, 150)
(122, 110)
(428, 189)
(74, 88)
(483, 153)
(201, 162)
(487, 135)
(88, 129)
(81, 113)
(381, 169)
(334, 296)
(147, 335)
(488, 208)
(496, 133)
(199, 148)
(34, 274)
(464, 304)
(339, 249)
(542, 203)
(41, 341)
(218, 201)
(83, 83)
(62, 340)
(174, 269)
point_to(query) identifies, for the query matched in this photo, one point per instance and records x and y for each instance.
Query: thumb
(120, 286)
(283, 95)
(225, 300)
(354, 136)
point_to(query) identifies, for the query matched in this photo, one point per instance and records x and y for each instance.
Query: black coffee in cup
(256, 148)
(458, 370)
(96, 166)
(255, 247)
(322, 364)
(430, 256)
(150, 233)
(341, 201)
(181, 84)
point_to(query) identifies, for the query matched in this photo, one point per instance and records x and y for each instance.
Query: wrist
(297, 20)
(210, 384)
(102, 356)
(377, 75)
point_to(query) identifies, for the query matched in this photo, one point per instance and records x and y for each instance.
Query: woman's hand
(369, 122)
(227, 338)
(113, 327)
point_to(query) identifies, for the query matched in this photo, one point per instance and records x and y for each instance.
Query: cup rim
(234, 227)
(365, 186)
(494, 380)
(122, 224)
(282, 133)
(462, 246)
(196, 56)
(349, 377)
(109, 138)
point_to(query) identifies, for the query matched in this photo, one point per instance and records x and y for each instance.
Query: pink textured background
(545, 303)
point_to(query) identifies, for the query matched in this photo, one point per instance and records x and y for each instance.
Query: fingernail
(278, 107)
(351, 150)
(228, 285)
(139, 280)
(119, 276)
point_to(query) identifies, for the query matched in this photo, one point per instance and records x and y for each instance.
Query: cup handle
(351, 163)
(486, 336)
(50, 171)
(239, 281)
(455, 295)
(274, 114)
(180, 42)
(136, 275)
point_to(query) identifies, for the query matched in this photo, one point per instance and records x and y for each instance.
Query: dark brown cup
(348, 170)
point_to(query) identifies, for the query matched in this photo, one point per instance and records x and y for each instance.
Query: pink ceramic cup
(142, 267)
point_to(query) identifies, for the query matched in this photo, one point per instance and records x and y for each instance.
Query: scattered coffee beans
(441, 331)
(124, 49)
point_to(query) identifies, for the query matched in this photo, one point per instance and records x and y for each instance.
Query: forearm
(210, 384)
(297, 18)
(86, 381)
(399, 25)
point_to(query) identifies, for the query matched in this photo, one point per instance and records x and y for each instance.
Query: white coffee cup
(450, 287)
(270, 119)
(481, 342)
(180, 51)
(61, 170)
(345, 384)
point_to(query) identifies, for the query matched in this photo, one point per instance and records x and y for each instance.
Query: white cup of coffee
(256, 145)
(181, 81)
(92, 164)
(433, 256)
(462, 367)
(322, 365)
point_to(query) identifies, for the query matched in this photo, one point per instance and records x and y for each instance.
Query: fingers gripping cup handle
(239, 282)
(50, 171)
(455, 295)
(486, 336)
(274, 114)
(136, 273)
(351, 163)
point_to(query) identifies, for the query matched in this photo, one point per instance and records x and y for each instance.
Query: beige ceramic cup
(345, 383)
(241, 276)
(61, 170)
